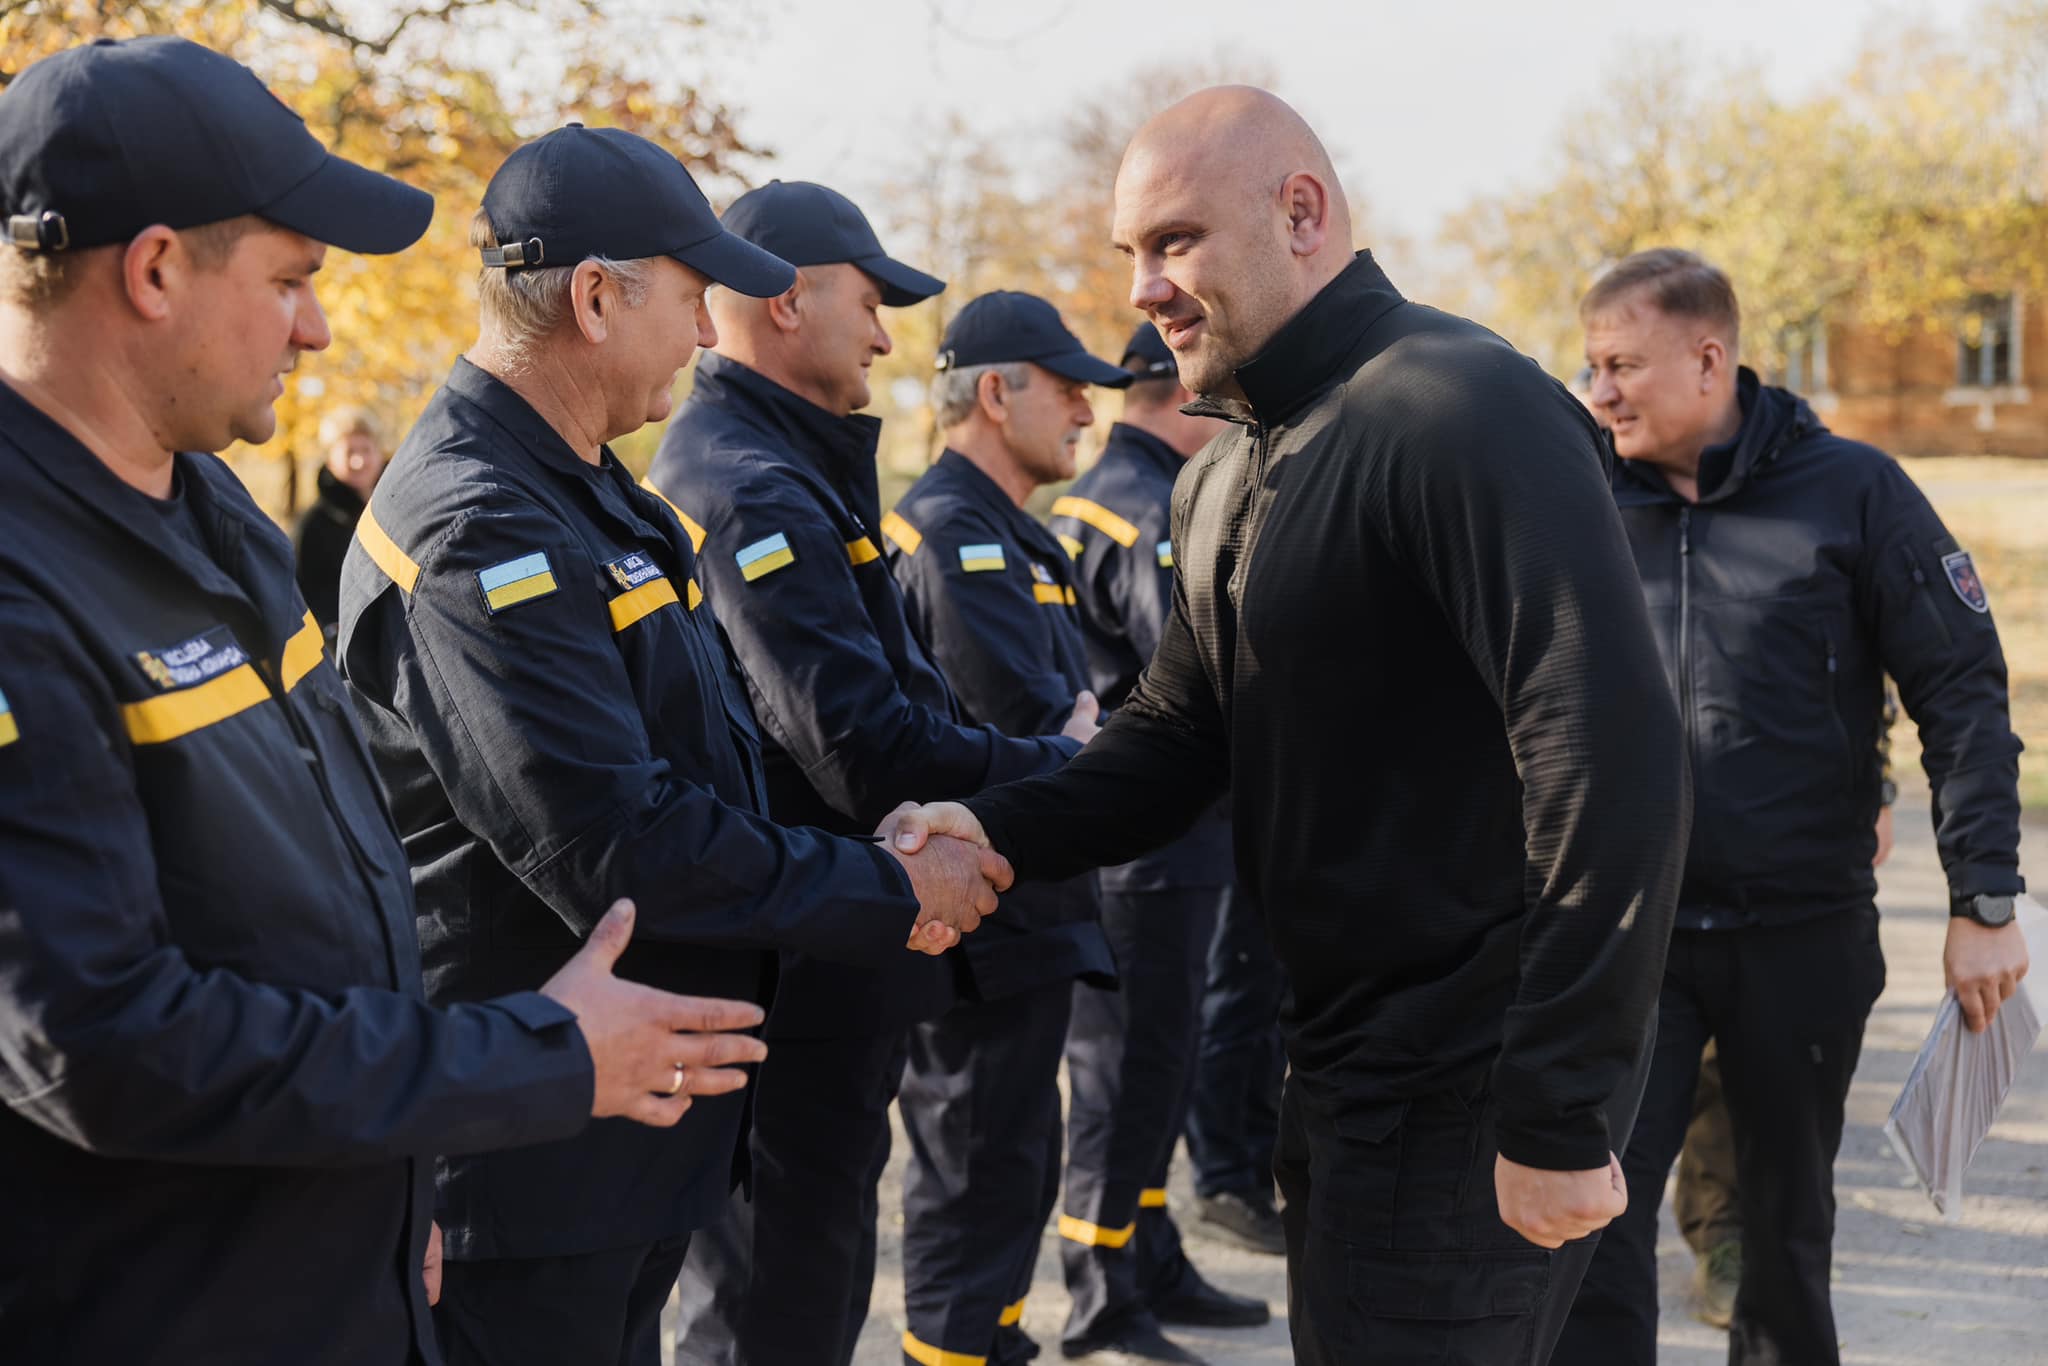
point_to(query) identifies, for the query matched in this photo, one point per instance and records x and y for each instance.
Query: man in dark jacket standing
(555, 715)
(989, 591)
(771, 469)
(1131, 1051)
(1467, 850)
(1787, 572)
(220, 1092)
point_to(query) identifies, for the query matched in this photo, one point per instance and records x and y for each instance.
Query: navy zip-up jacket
(222, 1089)
(1113, 523)
(779, 497)
(1809, 569)
(989, 592)
(558, 722)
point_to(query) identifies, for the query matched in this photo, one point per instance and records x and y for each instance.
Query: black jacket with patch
(558, 722)
(222, 1087)
(1407, 635)
(779, 498)
(1809, 569)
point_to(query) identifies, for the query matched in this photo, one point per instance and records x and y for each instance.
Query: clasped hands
(953, 872)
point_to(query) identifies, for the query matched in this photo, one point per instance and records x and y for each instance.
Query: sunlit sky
(1424, 105)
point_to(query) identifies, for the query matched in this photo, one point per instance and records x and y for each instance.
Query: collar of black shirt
(1311, 351)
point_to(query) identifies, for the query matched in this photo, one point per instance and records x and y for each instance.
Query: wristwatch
(1992, 912)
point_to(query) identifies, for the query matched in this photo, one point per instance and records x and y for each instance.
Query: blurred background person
(353, 454)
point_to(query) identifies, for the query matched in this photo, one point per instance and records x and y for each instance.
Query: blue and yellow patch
(516, 581)
(9, 731)
(1166, 554)
(764, 556)
(979, 559)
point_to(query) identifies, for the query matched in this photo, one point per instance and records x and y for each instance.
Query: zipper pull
(1831, 655)
(1685, 531)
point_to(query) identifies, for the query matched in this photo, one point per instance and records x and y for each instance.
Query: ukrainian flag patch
(1166, 554)
(516, 581)
(977, 559)
(9, 731)
(764, 557)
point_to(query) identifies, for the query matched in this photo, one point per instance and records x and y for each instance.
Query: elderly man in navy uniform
(554, 713)
(990, 592)
(772, 471)
(1131, 1052)
(222, 1089)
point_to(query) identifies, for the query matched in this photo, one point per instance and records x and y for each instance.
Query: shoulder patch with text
(1962, 576)
(631, 570)
(192, 662)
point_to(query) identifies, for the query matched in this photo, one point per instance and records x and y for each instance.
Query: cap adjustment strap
(515, 255)
(945, 360)
(46, 231)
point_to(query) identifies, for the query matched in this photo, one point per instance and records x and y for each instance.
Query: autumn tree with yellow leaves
(424, 92)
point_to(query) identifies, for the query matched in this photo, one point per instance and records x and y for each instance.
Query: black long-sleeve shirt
(1407, 632)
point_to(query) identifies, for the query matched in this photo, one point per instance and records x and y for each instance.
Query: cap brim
(731, 260)
(901, 285)
(354, 208)
(1079, 365)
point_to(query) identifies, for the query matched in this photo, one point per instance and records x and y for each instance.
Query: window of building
(1988, 345)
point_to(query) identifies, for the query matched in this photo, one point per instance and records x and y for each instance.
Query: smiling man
(1406, 634)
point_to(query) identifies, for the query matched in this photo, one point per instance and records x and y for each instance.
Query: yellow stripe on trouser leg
(919, 1350)
(1154, 1198)
(1094, 1235)
(1012, 1316)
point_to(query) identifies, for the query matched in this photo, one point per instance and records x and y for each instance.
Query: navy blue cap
(581, 192)
(1147, 356)
(810, 225)
(101, 141)
(1012, 326)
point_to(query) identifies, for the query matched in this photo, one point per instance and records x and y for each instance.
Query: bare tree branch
(326, 22)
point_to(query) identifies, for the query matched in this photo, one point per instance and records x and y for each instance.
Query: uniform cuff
(1578, 1143)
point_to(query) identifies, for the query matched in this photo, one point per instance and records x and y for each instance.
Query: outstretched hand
(953, 872)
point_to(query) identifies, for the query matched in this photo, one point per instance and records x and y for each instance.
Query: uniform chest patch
(516, 581)
(630, 571)
(9, 731)
(979, 559)
(764, 556)
(1962, 576)
(1040, 572)
(192, 662)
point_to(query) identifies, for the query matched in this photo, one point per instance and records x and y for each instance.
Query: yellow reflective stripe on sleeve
(1094, 1235)
(862, 550)
(906, 536)
(301, 653)
(1047, 592)
(919, 1350)
(628, 608)
(157, 719)
(1013, 1315)
(9, 731)
(696, 596)
(1097, 516)
(1154, 1198)
(1074, 547)
(696, 533)
(1071, 600)
(384, 552)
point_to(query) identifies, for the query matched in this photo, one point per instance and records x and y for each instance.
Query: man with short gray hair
(556, 717)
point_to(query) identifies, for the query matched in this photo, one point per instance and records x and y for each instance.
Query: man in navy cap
(1131, 1052)
(989, 590)
(772, 472)
(221, 1085)
(555, 715)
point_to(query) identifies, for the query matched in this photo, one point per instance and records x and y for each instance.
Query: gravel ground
(1910, 1289)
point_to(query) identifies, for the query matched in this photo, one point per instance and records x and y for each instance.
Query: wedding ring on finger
(676, 1085)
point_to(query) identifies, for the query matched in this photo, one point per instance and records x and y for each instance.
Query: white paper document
(1959, 1081)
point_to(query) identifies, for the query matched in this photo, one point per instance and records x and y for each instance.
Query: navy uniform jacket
(1809, 569)
(779, 497)
(222, 1087)
(1113, 523)
(558, 723)
(989, 593)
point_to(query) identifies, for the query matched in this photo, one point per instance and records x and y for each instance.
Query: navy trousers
(1234, 1106)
